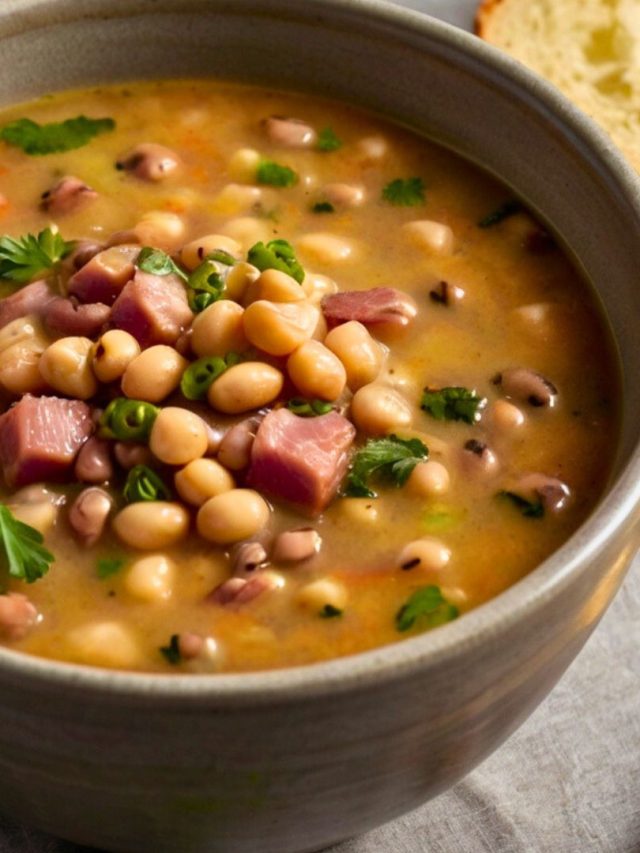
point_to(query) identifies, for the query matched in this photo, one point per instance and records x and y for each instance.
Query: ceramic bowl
(296, 759)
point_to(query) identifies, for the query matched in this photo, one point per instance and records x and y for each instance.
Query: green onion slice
(143, 484)
(128, 420)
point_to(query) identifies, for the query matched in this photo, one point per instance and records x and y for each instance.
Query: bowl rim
(406, 657)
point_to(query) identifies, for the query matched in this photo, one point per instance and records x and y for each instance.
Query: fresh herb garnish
(128, 420)
(452, 404)
(309, 408)
(143, 484)
(171, 653)
(390, 459)
(428, 607)
(276, 255)
(327, 140)
(530, 509)
(441, 518)
(404, 192)
(206, 283)
(38, 139)
(201, 374)
(509, 208)
(330, 612)
(323, 207)
(24, 554)
(157, 262)
(25, 258)
(108, 566)
(275, 175)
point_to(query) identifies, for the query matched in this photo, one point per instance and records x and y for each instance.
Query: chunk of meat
(17, 616)
(152, 308)
(32, 299)
(66, 317)
(380, 306)
(67, 196)
(40, 438)
(102, 278)
(301, 460)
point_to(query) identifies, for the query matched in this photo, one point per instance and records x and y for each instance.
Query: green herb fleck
(330, 612)
(404, 192)
(452, 404)
(439, 519)
(390, 459)
(143, 484)
(158, 262)
(171, 653)
(275, 175)
(109, 566)
(276, 255)
(323, 207)
(24, 555)
(530, 509)
(327, 140)
(201, 374)
(37, 139)
(509, 208)
(25, 258)
(426, 606)
(309, 408)
(207, 282)
(128, 420)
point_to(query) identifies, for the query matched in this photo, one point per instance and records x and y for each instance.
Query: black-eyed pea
(280, 328)
(178, 436)
(244, 163)
(153, 525)
(202, 654)
(326, 248)
(151, 578)
(219, 329)
(66, 366)
(427, 554)
(154, 374)
(107, 643)
(436, 237)
(248, 230)
(113, 353)
(202, 479)
(429, 479)
(377, 409)
(93, 462)
(17, 616)
(289, 132)
(321, 594)
(234, 199)
(36, 506)
(194, 253)
(317, 286)
(274, 286)
(343, 195)
(160, 228)
(360, 353)
(527, 386)
(479, 460)
(506, 417)
(149, 162)
(22, 342)
(232, 516)
(293, 546)
(372, 149)
(130, 454)
(316, 371)
(239, 279)
(359, 510)
(89, 512)
(244, 387)
(235, 448)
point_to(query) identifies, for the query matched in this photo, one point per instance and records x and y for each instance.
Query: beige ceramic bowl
(293, 760)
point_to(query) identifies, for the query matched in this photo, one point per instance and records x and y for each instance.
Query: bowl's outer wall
(156, 771)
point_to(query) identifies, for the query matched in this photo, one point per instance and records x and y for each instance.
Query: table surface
(568, 781)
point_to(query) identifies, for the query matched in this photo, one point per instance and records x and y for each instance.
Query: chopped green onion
(200, 375)
(128, 420)
(276, 255)
(206, 283)
(143, 484)
(309, 408)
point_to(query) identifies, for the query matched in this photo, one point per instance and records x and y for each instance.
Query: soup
(281, 381)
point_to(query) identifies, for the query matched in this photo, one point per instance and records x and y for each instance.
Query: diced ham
(17, 616)
(380, 306)
(152, 308)
(40, 438)
(301, 460)
(32, 299)
(66, 317)
(102, 278)
(67, 196)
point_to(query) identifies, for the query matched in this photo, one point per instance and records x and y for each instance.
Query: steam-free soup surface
(473, 488)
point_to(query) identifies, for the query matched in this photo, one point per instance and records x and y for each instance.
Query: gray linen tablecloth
(567, 782)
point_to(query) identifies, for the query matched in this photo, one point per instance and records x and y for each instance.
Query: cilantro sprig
(389, 459)
(404, 192)
(275, 175)
(453, 403)
(328, 140)
(25, 556)
(23, 259)
(426, 607)
(39, 139)
(106, 567)
(157, 262)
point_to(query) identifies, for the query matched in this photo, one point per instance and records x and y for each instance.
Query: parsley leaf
(171, 653)
(25, 556)
(330, 612)
(158, 262)
(23, 259)
(404, 192)
(37, 139)
(427, 606)
(530, 509)
(327, 140)
(391, 459)
(108, 566)
(276, 255)
(452, 404)
(509, 208)
(275, 175)
(323, 207)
